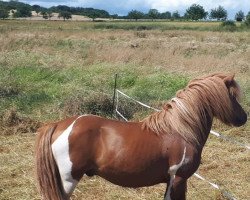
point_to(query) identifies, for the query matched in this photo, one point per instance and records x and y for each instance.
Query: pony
(165, 147)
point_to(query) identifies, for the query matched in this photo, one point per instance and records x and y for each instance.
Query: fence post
(114, 95)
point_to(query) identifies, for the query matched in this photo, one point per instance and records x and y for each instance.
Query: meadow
(52, 69)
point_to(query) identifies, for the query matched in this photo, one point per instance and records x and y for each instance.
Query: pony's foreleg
(175, 182)
(179, 188)
(176, 189)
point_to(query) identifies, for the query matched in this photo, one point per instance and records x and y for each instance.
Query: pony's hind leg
(60, 149)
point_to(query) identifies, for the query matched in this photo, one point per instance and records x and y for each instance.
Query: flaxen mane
(189, 112)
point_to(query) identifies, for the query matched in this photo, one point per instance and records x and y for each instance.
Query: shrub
(229, 25)
(4, 13)
(12, 122)
(97, 104)
(247, 21)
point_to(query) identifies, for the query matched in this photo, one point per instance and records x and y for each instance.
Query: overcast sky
(122, 7)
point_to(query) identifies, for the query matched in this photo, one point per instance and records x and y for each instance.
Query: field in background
(50, 70)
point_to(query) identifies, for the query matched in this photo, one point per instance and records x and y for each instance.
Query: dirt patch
(11, 122)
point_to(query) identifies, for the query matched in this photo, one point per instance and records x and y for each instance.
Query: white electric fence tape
(229, 139)
(202, 178)
(142, 104)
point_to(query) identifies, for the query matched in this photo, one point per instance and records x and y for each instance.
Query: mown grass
(50, 70)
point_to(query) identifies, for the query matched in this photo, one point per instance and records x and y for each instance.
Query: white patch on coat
(172, 171)
(60, 149)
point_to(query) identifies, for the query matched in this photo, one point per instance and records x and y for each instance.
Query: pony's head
(238, 116)
(225, 99)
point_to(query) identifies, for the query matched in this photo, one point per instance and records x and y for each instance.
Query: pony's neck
(204, 136)
(191, 123)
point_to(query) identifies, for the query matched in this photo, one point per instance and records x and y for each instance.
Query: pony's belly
(146, 177)
(133, 181)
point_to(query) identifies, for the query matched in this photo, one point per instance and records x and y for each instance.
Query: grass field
(50, 70)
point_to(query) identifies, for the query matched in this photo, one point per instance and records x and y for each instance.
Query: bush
(96, 104)
(12, 122)
(4, 13)
(247, 21)
(229, 25)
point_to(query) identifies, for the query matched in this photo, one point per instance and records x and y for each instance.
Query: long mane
(189, 112)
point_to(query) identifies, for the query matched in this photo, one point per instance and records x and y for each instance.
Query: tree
(37, 9)
(65, 15)
(195, 12)
(114, 16)
(4, 13)
(134, 14)
(93, 15)
(176, 15)
(247, 21)
(50, 14)
(44, 14)
(23, 11)
(153, 14)
(239, 16)
(218, 13)
(165, 15)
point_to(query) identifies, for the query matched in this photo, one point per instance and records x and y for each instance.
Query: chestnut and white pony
(165, 147)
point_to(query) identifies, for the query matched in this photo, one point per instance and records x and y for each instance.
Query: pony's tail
(47, 173)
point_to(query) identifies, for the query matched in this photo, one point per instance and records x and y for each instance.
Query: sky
(122, 7)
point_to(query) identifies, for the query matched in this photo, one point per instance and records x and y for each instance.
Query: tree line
(20, 9)
(195, 12)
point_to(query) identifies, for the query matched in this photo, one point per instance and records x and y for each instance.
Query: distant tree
(176, 15)
(134, 14)
(93, 15)
(239, 16)
(247, 21)
(4, 13)
(153, 14)
(37, 9)
(115, 16)
(23, 11)
(165, 15)
(44, 14)
(65, 15)
(218, 13)
(16, 5)
(61, 8)
(196, 12)
(50, 14)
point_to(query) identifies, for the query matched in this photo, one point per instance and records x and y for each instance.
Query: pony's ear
(167, 106)
(229, 79)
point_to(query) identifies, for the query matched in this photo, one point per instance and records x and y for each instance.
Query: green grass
(32, 88)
